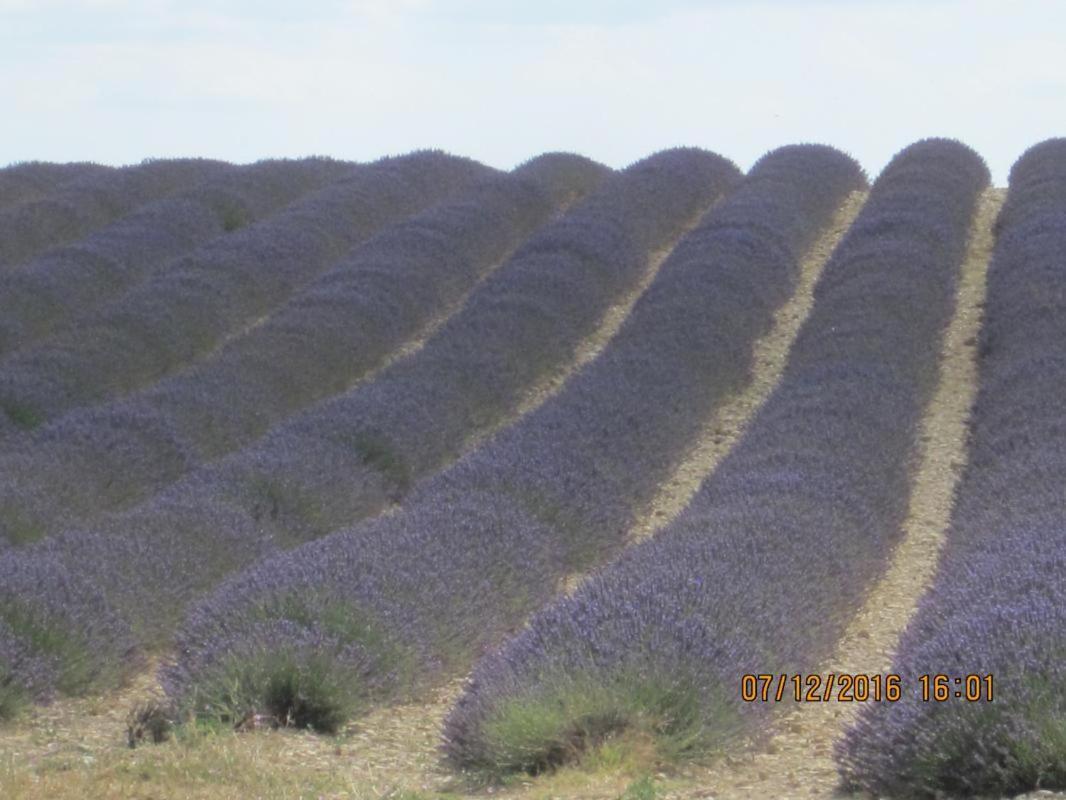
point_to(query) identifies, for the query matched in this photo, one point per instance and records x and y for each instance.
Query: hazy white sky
(117, 81)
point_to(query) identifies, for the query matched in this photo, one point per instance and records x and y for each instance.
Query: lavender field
(457, 480)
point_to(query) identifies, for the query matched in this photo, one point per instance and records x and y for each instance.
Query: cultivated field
(416, 479)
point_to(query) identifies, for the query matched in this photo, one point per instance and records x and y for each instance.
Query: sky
(117, 81)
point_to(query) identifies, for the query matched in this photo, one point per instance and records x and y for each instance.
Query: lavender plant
(62, 285)
(998, 603)
(25, 676)
(479, 546)
(93, 201)
(811, 496)
(57, 634)
(327, 336)
(28, 181)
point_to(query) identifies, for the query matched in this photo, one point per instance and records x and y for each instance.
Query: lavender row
(182, 313)
(150, 562)
(760, 572)
(93, 201)
(998, 604)
(411, 597)
(61, 285)
(325, 337)
(35, 180)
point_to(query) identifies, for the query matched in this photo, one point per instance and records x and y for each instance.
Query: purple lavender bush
(28, 181)
(811, 496)
(998, 603)
(63, 284)
(25, 676)
(184, 312)
(93, 201)
(481, 545)
(324, 338)
(57, 634)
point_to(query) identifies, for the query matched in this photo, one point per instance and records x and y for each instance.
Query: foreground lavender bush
(62, 285)
(25, 676)
(487, 541)
(183, 312)
(64, 640)
(92, 201)
(998, 603)
(812, 496)
(326, 337)
(28, 181)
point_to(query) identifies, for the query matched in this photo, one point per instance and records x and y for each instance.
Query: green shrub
(569, 721)
(316, 680)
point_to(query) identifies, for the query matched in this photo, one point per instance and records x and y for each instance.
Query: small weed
(233, 218)
(640, 789)
(23, 416)
(13, 698)
(148, 721)
(19, 528)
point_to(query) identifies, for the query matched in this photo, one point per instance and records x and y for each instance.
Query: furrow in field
(991, 629)
(588, 349)
(769, 357)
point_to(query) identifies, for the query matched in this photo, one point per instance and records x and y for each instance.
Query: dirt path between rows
(797, 761)
(770, 354)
